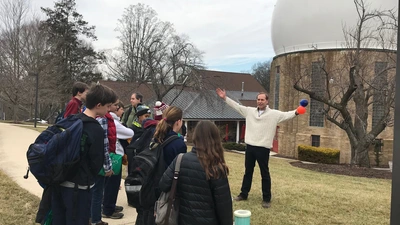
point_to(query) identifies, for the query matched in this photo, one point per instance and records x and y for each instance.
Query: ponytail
(170, 116)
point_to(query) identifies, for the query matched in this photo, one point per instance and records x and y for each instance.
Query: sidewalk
(14, 142)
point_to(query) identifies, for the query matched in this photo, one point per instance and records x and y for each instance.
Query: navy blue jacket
(173, 149)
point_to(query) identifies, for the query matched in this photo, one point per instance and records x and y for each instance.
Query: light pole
(36, 96)
(395, 204)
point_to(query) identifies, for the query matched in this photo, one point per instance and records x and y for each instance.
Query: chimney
(242, 88)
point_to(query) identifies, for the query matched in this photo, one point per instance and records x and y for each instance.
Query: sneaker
(116, 215)
(101, 223)
(266, 204)
(240, 198)
(119, 208)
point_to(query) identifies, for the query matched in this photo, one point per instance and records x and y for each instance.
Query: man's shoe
(119, 208)
(102, 223)
(240, 198)
(116, 215)
(266, 204)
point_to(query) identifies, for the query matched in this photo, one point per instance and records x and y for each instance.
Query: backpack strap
(169, 140)
(172, 193)
(154, 145)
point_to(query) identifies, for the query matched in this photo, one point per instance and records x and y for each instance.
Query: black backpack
(147, 168)
(138, 144)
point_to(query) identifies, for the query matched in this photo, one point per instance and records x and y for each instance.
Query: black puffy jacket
(201, 201)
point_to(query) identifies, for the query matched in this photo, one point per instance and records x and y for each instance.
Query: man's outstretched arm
(239, 108)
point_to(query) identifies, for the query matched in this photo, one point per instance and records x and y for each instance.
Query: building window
(318, 86)
(379, 85)
(315, 140)
(277, 83)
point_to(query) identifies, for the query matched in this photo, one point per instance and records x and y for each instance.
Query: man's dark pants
(261, 155)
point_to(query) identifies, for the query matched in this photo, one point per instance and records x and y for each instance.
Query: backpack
(148, 166)
(141, 143)
(60, 116)
(166, 209)
(55, 155)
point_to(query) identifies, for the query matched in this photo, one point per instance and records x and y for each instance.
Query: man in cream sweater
(261, 125)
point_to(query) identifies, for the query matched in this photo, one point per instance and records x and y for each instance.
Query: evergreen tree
(70, 58)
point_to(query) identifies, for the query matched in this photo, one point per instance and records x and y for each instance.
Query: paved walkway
(14, 142)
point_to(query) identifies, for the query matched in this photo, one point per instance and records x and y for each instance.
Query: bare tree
(151, 53)
(34, 59)
(12, 13)
(357, 80)
(261, 71)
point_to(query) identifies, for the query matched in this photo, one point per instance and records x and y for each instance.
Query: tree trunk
(361, 157)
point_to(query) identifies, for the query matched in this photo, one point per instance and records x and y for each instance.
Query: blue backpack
(60, 116)
(55, 155)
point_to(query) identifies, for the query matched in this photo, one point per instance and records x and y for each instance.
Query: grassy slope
(17, 206)
(306, 197)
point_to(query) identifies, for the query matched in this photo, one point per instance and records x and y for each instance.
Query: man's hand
(109, 173)
(221, 93)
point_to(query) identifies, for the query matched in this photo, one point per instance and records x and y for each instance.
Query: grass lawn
(17, 206)
(301, 196)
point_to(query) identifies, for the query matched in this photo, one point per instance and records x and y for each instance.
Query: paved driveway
(14, 142)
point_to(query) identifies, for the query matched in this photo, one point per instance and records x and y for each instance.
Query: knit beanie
(159, 109)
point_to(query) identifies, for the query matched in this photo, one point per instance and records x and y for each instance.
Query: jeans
(111, 190)
(70, 206)
(260, 154)
(97, 198)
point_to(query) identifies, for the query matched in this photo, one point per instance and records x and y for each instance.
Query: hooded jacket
(93, 157)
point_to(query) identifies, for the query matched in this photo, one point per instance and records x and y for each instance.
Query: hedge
(318, 154)
(234, 146)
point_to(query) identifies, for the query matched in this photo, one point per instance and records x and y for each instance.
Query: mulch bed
(344, 169)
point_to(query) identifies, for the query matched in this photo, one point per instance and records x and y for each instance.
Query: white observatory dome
(299, 25)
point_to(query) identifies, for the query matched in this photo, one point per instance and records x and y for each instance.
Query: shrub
(318, 154)
(234, 146)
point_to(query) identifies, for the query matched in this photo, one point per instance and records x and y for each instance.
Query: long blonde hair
(170, 116)
(209, 150)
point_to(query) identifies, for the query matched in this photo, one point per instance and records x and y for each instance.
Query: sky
(233, 34)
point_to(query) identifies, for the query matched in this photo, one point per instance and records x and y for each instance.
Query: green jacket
(129, 118)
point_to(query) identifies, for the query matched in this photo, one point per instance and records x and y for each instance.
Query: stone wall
(297, 131)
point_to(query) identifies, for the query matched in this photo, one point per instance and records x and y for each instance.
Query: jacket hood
(86, 118)
(149, 122)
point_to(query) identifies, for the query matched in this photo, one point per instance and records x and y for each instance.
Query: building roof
(205, 105)
(231, 81)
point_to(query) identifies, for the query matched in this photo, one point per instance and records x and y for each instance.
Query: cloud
(228, 32)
